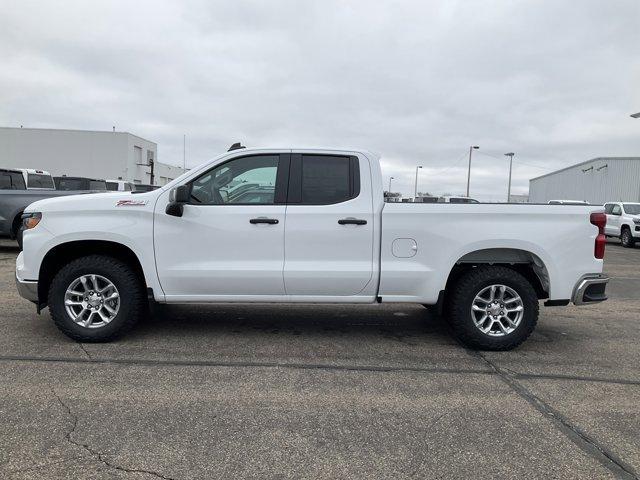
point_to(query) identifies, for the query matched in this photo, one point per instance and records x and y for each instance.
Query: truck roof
(33, 171)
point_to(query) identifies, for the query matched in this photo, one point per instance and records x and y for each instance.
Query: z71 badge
(131, 203)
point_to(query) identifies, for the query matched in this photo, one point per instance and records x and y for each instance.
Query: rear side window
(11, 181)
(113, 186)
(323, 179)
(616, 210)
(35, 180)
(608, 208)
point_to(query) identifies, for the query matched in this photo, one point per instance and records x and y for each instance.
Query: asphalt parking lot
(322, 392)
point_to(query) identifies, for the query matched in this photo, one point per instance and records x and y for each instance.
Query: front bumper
(590, 289)
(27, 289)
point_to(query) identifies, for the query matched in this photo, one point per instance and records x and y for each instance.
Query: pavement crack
(69, 436)
(586, 443)
(82, 347)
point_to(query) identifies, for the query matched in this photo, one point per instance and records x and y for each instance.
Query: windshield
(632, 208)
(11, 181)
(36, 180)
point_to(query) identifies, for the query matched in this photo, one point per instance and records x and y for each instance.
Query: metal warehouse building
(83, 153)
(597, 181)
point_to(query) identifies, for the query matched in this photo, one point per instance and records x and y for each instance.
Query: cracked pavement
(273, 391)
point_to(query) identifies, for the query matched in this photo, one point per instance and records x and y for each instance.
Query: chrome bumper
(28, 289)
(590, 289)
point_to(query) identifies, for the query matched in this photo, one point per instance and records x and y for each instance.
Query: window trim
(294, 192)
(280, 188)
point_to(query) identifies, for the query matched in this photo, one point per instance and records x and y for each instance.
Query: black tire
(18, 235)
(471, 284)
(627, 239)
(131, 295)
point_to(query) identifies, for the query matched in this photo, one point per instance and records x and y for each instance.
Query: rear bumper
(590, 289)
(27, 289)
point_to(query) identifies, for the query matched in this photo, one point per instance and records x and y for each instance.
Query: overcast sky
(553, 81)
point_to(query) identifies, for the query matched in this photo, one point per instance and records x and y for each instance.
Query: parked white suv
(623, 221)
(311, 228)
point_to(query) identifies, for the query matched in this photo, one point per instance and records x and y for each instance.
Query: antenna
(236, 146)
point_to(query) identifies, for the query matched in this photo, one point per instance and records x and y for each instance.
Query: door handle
(352, 221)
(270, 221)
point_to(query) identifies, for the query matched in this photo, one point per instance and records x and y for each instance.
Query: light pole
(510, 155)
(415, 190)
(390, 178)
(471, 149)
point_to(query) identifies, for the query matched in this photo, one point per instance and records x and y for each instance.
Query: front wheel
(493, 308)
(96, 299)
(627, 239)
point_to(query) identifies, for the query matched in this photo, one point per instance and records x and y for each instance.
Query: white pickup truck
(305, 225)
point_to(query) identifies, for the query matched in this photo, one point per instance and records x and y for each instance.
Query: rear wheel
(492, 308)
(96, 299)
(627, 239)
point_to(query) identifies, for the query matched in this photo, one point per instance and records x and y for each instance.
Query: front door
(329, 227)
(229, 242)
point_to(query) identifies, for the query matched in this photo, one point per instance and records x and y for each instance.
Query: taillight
(599, 219)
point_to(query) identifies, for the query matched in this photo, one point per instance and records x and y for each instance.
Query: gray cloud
(416, 81)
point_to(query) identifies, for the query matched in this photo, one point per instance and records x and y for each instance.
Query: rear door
(609, 229)
(614, 220)
(329, 226)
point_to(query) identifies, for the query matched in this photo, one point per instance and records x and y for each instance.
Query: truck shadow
(404, 324)
(6, 247)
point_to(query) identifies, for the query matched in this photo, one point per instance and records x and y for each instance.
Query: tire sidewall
(626, 238)
(112, 270)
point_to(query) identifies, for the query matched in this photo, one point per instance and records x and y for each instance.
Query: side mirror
(180, 194)
(177, 198)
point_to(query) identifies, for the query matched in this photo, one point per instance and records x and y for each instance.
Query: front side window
(245, 180)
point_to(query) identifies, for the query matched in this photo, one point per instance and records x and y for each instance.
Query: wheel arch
(525, 262)
(15, 224)
(65, 252)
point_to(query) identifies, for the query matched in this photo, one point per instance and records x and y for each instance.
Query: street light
(390, 178)
(471, 149)
(510, 155)
(415, 190)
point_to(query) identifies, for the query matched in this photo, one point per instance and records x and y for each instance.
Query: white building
(600, 180)
(84, 153)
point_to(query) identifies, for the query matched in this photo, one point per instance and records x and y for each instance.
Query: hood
(93, 201)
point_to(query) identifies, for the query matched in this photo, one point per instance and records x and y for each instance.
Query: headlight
(31, 220)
